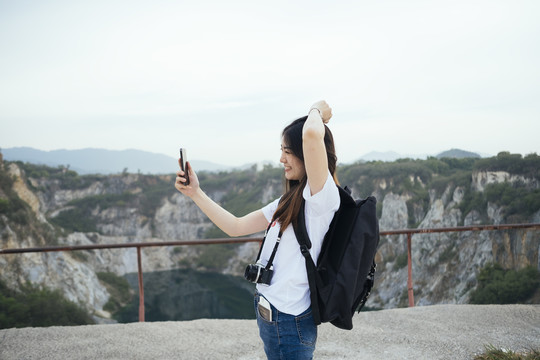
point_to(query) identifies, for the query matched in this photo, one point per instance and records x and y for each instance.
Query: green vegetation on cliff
(118, 287)
(519, 203)
(79, 216)
(35, 307)
(417, 178)
(500, 286)
(145, 194)
(528, 166)
(17, 213)
(11, 205)
(242, 190)
(65, 179)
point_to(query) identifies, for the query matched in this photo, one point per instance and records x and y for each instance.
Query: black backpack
(341, 281)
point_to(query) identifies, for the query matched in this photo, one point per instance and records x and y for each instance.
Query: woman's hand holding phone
(186, 179)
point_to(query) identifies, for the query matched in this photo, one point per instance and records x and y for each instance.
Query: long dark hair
(289, 206)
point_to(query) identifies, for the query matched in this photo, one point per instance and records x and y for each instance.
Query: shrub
(119, 289)
(473, 201)
(75, 220)
(513, 163)
(401, 261)
(34, 307)
(80, 218)
(4, 205)
(11, 205)
(499, 286)
(517, 200)
(448, 254)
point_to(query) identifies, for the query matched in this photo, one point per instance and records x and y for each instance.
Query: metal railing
(408, 232)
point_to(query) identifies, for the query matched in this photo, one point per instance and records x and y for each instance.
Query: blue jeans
(287, 336)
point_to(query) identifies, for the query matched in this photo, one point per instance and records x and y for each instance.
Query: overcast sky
(222, 78)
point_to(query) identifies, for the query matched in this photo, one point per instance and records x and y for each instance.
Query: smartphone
(183, 160)
(264, 309)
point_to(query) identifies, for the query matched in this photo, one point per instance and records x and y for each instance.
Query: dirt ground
(428, 332)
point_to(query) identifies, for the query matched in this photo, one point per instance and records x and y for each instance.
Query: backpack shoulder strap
(305, 244)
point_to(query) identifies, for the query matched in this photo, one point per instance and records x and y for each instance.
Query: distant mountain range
(457, 153)
(393, 156)
(101, 161)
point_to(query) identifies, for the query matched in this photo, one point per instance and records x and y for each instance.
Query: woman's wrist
(325, 113)
(197, 194)
(314, 108)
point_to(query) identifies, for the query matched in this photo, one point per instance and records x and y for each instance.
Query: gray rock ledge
(426, 332)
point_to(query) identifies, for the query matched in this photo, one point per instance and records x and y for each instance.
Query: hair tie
(314, 108)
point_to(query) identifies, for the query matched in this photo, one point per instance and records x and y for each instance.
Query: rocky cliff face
(176, 218)
(483, 178)
(445, 265)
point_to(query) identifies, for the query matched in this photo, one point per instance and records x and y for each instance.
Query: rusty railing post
(141, 287)
(409, 268)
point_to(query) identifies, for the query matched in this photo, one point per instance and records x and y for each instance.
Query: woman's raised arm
(315, 158)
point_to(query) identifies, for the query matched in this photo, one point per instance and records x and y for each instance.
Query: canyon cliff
(44, 207)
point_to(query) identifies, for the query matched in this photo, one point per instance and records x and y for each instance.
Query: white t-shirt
(289, 288)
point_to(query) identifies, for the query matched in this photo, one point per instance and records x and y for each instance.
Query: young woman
(309, 159)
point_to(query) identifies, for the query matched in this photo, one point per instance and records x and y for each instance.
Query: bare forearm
(218, 215)
(227, 222)
(315, 157)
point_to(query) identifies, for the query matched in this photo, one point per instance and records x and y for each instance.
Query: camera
(258, 274)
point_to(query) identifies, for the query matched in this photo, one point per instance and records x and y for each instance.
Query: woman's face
(294, 167)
